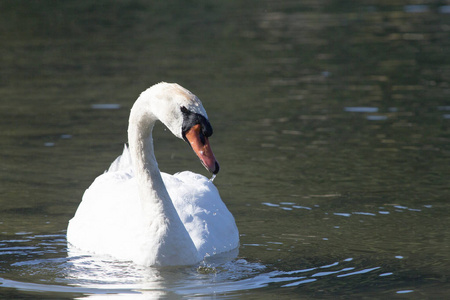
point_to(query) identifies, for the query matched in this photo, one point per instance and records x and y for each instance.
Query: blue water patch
(363, 213)
(400, 207)
(376, 118)
(270, 204)
(331, 265)
(444, 9)
(105, 106)
(359, 272)
(286, 208)
(416, 8)
(361, 109)
(342, 214)
(299, 282)
(302, 207)
(348, 259)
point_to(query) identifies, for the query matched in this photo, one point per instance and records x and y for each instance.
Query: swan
(135, 212)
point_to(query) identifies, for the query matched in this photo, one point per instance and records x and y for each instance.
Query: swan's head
(183, 113)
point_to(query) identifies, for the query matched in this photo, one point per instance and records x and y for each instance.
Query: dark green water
(332, 127)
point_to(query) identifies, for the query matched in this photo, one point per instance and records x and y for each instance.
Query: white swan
(135, 212)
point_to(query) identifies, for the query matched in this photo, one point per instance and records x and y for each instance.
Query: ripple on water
(33, 268)
(361, 109)
(290, 206)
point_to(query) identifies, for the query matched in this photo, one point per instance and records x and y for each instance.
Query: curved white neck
(171, 240)
(151, 186)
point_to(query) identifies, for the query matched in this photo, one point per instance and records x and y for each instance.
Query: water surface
(331, 125)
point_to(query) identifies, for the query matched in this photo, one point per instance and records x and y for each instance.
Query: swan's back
(109, 219)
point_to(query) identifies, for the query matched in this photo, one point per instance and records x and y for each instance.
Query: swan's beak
(201, 147)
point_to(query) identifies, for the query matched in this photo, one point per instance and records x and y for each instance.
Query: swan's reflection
(215, 276)
(104, 276)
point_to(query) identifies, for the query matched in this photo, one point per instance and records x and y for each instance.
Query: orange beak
(202, 148)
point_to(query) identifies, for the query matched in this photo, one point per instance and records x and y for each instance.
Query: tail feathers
(122, 162)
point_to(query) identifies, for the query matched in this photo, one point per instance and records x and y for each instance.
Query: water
(46, 261)
(330, 125)
(213, 176)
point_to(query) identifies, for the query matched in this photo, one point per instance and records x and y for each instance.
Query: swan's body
(135, 212)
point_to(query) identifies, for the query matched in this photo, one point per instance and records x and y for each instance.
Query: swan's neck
(171, 242)
(145, 167)
(152, 190)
